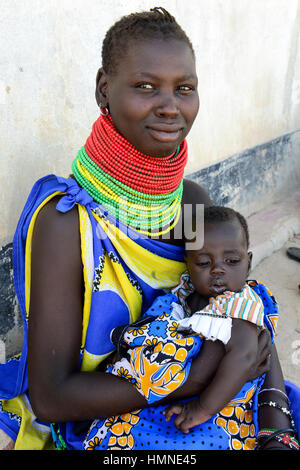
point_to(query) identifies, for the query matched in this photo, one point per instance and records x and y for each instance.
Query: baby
(213, 302)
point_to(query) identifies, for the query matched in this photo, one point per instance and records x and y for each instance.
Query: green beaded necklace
(151, 212)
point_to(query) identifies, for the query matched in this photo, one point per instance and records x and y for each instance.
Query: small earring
(104, 111)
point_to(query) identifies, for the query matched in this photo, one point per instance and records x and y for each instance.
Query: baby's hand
(190, 414)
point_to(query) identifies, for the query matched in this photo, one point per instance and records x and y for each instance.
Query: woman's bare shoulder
(56, 235)
(51, 222)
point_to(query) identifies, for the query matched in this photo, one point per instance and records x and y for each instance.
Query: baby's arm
(232, 373)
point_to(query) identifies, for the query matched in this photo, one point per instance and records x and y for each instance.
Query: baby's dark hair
(226, 214)
(157, 23)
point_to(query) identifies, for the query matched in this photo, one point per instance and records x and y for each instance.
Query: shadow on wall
(255, 178)
(11, 326)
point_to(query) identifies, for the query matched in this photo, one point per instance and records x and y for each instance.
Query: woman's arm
(269, 417)
(58, 391)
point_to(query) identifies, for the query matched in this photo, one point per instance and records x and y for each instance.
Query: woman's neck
(143, 192)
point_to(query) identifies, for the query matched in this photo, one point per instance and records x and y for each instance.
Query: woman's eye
(186, 88)
(145, 86)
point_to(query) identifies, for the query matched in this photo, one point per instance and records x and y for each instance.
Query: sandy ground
(282, 276)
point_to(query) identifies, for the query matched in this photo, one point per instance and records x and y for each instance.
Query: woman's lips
(165, 134)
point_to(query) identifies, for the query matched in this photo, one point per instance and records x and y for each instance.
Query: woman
(92, 252)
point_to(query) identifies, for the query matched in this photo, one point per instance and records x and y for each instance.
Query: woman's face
(152, 98)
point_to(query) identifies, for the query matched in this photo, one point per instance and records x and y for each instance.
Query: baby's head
(223, 263)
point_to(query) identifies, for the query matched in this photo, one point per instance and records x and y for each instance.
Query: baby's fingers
(181, 424)
(172, 410)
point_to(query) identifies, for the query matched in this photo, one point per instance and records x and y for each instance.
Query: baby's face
(223, 262)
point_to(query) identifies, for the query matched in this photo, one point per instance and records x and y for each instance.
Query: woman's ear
(101, 89)
(250, 256)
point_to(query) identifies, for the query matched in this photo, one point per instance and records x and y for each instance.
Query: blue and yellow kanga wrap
(124, 273)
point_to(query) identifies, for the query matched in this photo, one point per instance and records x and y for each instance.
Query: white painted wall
(248, 60)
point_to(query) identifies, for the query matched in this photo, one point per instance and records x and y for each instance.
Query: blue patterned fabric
(123, 273)
(233, 428)
(156, 357)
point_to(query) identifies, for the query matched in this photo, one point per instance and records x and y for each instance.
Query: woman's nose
(167, 105)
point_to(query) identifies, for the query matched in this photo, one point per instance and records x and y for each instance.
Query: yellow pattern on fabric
(156, 271)
(167, 382)
(237, 422)
(91, 361)
(86, 240)
(274, 320)
(120, 428)
(32, 435)
(115, 279)
(159, 370)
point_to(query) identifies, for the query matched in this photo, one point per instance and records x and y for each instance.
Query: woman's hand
(263, 357)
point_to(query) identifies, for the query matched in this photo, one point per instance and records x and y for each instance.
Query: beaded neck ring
(143, 192)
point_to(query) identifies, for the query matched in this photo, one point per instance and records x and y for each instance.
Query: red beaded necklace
(111, 152)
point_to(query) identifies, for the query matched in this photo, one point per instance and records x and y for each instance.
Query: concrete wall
(255, 178)
(248, 60)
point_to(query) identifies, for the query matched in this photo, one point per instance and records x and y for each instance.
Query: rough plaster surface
(251, 180)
